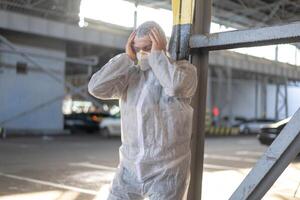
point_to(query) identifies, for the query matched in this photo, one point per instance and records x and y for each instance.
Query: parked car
(110, 126)
(253, 126)
(269, 132)
(82, 122)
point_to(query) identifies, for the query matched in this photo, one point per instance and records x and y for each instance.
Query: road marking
(210, 166)
(94, 166)
(230, 158)
(253, 153)
(18, 144)
(56, 185)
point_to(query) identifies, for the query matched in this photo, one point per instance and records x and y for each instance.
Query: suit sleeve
(178, 78)
(111, 80)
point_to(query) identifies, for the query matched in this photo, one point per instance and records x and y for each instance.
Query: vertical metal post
(296, 56)
(135, 14)
(256, 97)
(296, 50)
(286, 99)
(276, 53)
(277, 102)
(221, 104)
(209, 92)
(281, 101)
(272, 163)
(229, 96)
(264, 97)
(201, 25)
(89, 72)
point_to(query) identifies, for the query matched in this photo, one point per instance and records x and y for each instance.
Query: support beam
(256, 97)
(36, 3)
(281, 100)
(264, 97)
(66, 59)
(274, 161)
(288, 33)
(103, 36)
(229, 96)
(157, 4)
(183, 11)
(221, 81)
(252, 64)
(201, 25)
(273, 11)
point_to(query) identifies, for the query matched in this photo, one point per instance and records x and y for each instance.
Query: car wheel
(105, 132)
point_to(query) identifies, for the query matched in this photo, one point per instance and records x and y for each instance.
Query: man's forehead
(142, 41)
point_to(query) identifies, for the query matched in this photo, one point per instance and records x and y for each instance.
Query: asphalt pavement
(81, 167)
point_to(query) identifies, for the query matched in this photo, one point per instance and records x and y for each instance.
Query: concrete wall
(293, 100)
(21, 93)
(243, 98)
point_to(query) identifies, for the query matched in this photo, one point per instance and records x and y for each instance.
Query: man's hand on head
(158, 41)
(129, 49)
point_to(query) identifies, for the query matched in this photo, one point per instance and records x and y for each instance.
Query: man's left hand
(158, 41)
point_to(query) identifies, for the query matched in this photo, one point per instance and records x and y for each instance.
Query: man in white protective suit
(156, 117)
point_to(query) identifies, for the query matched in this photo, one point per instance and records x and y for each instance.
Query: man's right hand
(129, 50)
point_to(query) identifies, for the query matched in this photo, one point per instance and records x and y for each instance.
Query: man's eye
(147, 49)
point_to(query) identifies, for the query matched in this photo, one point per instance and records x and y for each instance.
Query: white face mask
(143, 60)
(142, 55)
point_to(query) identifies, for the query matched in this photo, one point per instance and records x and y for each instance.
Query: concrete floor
(81, 168)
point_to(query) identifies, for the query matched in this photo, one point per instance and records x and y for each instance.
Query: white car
(110, 126)
(254, 126)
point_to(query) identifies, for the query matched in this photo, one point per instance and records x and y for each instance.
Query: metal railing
(284, 148)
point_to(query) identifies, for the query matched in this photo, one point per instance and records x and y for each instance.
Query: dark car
(268, 133)
(82, 122)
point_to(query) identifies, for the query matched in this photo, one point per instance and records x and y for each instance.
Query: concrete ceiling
(61, 10)
(235, 13)
(245, 13)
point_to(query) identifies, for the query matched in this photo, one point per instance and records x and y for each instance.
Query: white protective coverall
(156, 124)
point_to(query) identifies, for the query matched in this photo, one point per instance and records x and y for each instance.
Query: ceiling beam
(37, 3)
(247, 38)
